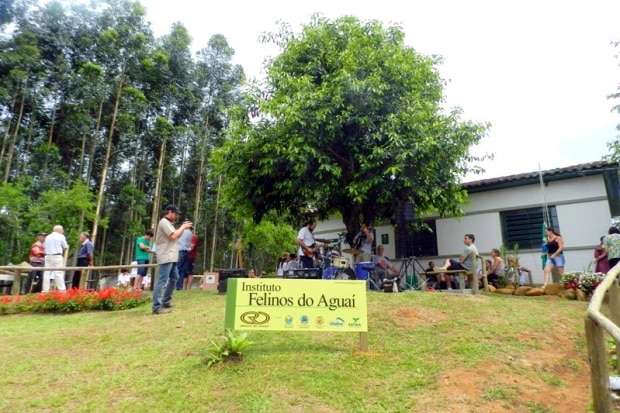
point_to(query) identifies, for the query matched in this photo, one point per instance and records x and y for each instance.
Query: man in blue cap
(167, 252)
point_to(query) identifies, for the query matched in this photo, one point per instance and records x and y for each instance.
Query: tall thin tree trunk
(93, 146)
(122, 257)
(80, 171)
(50, 137)
(157, 197)
(9, 155)
(106, 161)
(103, 241)
(217, 205)
(22, 164)
(205, 244)
(5, 141)
(200, 174)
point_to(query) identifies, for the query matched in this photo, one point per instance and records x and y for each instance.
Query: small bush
(230, 350)
(71, 301)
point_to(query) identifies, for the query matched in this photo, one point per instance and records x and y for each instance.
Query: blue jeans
(183, 267)
(168, 276)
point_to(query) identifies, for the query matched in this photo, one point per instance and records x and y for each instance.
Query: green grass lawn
(429, 352)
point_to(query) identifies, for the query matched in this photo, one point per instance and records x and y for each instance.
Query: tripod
(409, 274)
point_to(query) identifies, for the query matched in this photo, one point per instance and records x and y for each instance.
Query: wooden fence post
(614, 309)
(597, 353)
(17, 282)
(363, 341)
(474, 276)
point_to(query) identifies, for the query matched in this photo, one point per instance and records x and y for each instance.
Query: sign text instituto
(296, 305)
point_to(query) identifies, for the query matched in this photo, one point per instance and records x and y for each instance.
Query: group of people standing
(175, 250)
(49, 251)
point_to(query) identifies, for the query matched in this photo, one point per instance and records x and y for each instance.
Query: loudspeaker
(229, 273)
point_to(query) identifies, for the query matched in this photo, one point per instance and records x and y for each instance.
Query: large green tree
(351, 120)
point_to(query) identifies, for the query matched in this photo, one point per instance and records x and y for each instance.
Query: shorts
(557, 262)
(142, 271)
(613, 262)
(456, 265)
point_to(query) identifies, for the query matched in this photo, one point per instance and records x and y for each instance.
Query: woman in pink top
(600, 257)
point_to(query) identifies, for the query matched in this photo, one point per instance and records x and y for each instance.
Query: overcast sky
(538, 71)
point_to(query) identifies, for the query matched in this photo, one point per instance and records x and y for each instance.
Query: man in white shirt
(307, 244)
(167, 252)
(55, 246)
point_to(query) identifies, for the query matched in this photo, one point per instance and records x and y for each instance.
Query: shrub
(72, 301)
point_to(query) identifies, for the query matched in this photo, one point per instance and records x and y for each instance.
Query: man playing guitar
(307, 244)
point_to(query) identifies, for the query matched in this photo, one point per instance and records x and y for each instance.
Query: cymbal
(352, 251)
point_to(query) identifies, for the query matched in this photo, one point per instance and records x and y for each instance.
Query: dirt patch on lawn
(410, 317)
(554, 378)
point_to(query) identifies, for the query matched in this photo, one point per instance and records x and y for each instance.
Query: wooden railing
(17, 272)
(597, 324)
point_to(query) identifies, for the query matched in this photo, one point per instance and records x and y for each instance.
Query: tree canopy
(350, 120)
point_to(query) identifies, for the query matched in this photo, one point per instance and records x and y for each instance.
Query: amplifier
(304, 274)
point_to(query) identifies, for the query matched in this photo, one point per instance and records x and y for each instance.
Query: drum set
(334, 265)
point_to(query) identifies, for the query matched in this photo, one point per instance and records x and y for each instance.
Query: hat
(173, 208)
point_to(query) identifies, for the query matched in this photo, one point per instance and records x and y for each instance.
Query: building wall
(583, 215)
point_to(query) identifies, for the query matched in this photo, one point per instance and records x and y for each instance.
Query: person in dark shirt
(555, 254)
(85, 257)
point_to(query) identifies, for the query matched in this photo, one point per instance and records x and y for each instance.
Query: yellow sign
(296, 305)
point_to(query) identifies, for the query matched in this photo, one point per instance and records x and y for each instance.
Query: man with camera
(167, 251)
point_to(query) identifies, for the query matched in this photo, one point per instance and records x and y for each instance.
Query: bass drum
(344, 274)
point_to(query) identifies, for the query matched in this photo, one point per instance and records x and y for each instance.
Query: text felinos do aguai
(267, 295)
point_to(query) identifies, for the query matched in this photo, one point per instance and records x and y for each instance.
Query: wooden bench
(464, 273)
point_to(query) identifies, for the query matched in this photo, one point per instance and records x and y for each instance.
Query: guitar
(310, 251)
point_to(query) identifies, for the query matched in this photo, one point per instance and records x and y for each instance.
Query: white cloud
(539, 72)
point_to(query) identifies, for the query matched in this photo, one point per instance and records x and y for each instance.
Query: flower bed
(71, 301)
(584, 281)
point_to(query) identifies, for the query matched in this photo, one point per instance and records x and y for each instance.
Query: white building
(507, 210)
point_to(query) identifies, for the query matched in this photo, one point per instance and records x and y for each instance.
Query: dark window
(385, 239)
(421, 242)
(525, 226)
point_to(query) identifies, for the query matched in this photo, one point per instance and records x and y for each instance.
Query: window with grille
(524, 226)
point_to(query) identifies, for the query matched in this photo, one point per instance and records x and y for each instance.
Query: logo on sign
(304, 320)
(255, 317)
(288, 321)
(355, 322)
(320, 321)
(338, 322)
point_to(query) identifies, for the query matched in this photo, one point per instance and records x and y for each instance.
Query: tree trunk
(93, 146)
(181, 172)
(160, 173)
(352, 219)
(205, 244)
(122, 257)
(80, 172)
(21, 167)
(106, 161)
(214, 240)
(49, 141)
(103, 241)
(9, 155)
(200, 174)
(5, 141)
